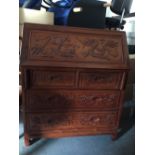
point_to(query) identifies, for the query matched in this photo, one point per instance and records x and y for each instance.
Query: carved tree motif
(93, 120)
(73, 47)
(102, 101)
(51, 100)
(44, 121)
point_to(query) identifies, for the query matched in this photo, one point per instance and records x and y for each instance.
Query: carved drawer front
(58, 121)
(98, 99)
(50, 100)
(68, 100)
(100, 80)
(41, 78)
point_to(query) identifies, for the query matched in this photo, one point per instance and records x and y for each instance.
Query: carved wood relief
(100, 80)
(45, 121)
(99, 100)
(46, 100)
(73, 81)
(100, 119)
(68, 120)
(52, 78)
(72, 99)
(69, 47)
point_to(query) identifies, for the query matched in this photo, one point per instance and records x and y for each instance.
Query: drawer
(98, 99)
(71, 120)
(51, 100)
(52, 78)
(101, 80)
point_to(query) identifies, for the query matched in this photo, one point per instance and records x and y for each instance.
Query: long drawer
(50, 100)
(71, 120)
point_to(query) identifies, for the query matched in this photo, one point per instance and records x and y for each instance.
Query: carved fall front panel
(57, 46)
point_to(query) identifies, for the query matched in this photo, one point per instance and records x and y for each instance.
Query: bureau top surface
(62, 46)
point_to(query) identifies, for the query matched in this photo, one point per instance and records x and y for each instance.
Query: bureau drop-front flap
(60, 46)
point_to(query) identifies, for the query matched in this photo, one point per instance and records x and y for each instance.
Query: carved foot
(33, 140)
(27, 141)
(114, 136)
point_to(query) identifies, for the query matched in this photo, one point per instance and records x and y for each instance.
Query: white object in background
(34, 16)
(109, 13)
(129, 28)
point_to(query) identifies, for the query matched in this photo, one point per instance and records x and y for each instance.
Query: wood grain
(73, 81)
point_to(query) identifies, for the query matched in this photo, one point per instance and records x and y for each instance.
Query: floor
(86, 145)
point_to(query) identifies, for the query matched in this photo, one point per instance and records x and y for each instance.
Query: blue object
(64, 3)
(21, 2)
(61, 10)
(60, 15)
(32, 4)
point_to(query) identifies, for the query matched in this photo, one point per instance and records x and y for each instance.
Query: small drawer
(100, 80)
(71, 120)
(68, 100)
(52, 79)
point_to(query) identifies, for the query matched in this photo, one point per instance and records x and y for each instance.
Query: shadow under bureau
(73, 81)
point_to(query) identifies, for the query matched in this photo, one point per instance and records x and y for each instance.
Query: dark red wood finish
(73, 81)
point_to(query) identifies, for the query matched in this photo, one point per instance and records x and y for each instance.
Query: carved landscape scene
(74, 47)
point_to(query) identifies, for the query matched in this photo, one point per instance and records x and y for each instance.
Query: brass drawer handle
(98, 78)
(51, 78)
(97, 98)
(56, 77)
(95, 119)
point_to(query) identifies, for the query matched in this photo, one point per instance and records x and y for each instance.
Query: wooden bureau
(73, 81)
